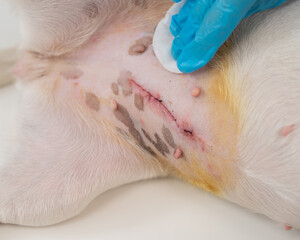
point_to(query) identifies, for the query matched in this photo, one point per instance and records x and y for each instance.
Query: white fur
(268, 61)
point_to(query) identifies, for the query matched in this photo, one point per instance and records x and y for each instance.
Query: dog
(97, 110)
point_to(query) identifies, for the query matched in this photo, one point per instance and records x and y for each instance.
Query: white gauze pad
(163, 39)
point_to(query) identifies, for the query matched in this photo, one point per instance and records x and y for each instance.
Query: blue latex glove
(202, 26)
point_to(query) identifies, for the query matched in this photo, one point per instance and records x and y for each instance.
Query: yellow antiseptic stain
(215, 170)
(194, 172)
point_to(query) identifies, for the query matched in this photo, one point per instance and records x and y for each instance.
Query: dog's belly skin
(155, 108)
(108, 114)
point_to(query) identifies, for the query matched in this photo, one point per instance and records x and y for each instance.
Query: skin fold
(98, 111)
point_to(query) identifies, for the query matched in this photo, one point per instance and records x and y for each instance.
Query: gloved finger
(179, 19)
(264, 5)
(192, 24)
(219, 22)
(195, 56)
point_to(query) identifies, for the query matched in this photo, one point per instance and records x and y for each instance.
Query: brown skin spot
(124, 83)
(115, 88)
(123, 116)
(139, 102)
(137, 136)
(92, 101)
(149, 150)
(137, 49)
(159, 144)
(140, 46)
(146, 135)
(122, 132)
(168, 137)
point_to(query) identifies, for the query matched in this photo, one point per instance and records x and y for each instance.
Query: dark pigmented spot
(168, 137)
(137, 49)
(122, 132)
(92, 101)
(137, 136)
(139, 102)
(146, 135)
(149, 150)
(123, 81)
(159, 144)
(115, 88)
(140, 46)
(123, 115)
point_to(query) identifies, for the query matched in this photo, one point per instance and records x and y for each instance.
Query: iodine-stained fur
(99, 111)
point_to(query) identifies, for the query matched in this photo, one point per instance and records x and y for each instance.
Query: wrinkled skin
(98, 111)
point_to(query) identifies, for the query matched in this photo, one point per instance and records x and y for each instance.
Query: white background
(9, 34)
(156, 209)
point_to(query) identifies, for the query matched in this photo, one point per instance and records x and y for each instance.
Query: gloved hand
(202, 26)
